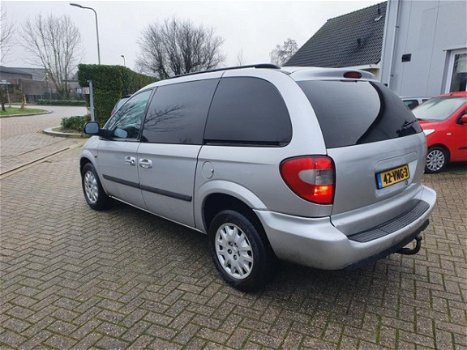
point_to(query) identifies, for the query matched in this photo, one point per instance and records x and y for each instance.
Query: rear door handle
(130, 160)
(145, 163)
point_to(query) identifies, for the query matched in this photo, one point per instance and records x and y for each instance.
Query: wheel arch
(217, 202)
(83, 161)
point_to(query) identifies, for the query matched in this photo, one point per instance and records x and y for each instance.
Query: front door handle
(130, 160)
(145, 163)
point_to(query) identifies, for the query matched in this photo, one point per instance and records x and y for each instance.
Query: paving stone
(76, 278)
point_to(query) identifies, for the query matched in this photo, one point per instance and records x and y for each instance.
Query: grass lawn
(14, 110)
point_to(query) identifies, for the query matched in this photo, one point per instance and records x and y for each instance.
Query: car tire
(436, 160)
(93, 192)
(240, 251)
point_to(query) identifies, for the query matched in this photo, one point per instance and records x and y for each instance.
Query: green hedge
(75, 123)
(110, 83)
(62, 102)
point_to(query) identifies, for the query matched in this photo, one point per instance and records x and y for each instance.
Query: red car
(444, 122)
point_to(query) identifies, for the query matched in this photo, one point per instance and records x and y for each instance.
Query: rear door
(171, 141)
(376, 143)
(117, 157)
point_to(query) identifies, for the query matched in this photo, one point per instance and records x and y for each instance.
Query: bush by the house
(62, 102)
(75, 123)
(110, 83)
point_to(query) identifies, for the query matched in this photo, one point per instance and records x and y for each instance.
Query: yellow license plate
(392, 176)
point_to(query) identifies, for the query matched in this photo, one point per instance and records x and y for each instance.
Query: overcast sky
(250, 29)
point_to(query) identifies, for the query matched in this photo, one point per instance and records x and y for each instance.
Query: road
(22, 142)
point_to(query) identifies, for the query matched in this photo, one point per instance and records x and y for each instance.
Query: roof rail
(260, 65)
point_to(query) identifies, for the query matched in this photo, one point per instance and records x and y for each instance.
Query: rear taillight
(310, 177)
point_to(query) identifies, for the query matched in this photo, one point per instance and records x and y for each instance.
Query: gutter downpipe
(391, 27)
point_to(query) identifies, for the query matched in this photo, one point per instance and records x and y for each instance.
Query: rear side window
(248, 111)
(356, 112)
(177, 113)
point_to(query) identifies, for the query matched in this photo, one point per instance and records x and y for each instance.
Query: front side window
(439, 108)
(126, 122)
(248, 111)
(177, 113)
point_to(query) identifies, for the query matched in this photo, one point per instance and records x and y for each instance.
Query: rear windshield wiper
(407, 124)
(406, 128)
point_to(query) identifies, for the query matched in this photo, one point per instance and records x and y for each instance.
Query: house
(416, 48)
(33, 83)
(352, 40)
(425, 47)
(30, 82)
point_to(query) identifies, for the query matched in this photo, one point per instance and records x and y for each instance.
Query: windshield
(439, 108)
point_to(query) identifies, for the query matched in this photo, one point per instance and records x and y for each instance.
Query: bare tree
(281, 54)
(53, 43)
(6, 34)
(240, 58)
(178, 47)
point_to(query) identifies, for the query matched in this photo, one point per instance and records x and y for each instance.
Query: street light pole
(97, 27)
(124, 63)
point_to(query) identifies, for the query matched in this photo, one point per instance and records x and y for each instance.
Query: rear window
(357, 112)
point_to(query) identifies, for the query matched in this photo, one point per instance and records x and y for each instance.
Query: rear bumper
(315, 242)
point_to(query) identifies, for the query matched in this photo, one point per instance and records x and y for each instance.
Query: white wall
(427, 30)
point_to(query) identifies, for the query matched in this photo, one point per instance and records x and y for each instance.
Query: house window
(457, 71)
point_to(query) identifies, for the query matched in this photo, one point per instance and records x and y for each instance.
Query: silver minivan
(318, 166)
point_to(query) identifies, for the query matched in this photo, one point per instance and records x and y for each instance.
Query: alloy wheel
(90, 187)
(234, 251)
(435, 160)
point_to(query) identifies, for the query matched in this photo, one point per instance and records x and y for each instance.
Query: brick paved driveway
(21, 139)
(75, 278)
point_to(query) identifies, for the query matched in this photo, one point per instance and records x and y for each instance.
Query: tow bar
(412, 251)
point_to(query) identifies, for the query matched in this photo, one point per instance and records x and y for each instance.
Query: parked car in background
(413, 102)
(319, 166)
(444, 122)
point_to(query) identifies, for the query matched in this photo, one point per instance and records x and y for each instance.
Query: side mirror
(462, 118)
(91, 128)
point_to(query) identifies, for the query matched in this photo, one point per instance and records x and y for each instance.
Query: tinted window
(356, 112)
(439, 108)
(177, 113)
(248, 111)
(126, 122)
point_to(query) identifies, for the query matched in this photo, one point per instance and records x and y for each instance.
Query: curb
(24, 115)
(51, 132)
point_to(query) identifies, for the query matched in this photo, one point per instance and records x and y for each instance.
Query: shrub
(75, 123)
(110, 83)
(62, 102)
